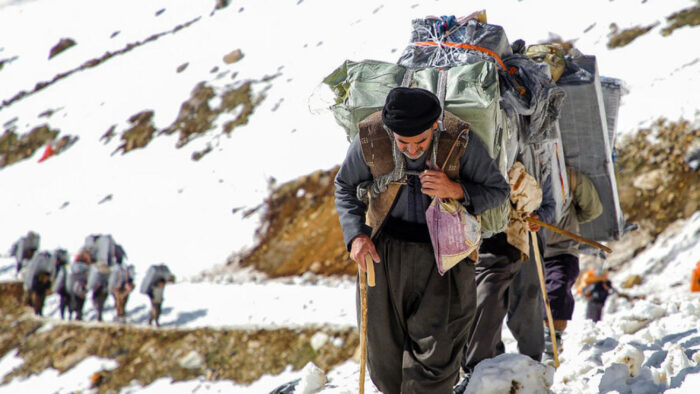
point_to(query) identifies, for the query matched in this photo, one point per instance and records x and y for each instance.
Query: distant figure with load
(121, 283)
(24, 248)
(98, 279)
(104, 254)
(418, 318)
(102, 247)
(596, 287)
(37, 280)
(153, 286)
(561, 256)
(76, 283)
(60, 259)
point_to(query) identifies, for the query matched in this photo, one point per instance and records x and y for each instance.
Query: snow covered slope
(165, 207)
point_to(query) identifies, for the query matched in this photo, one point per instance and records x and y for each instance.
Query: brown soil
(145, 354)
(14, 148)
(677, 195)
(62, 45)
(222, 4)
(687, 17)
(619, 39)
(195, 118)
(302, 232)
(139, 134)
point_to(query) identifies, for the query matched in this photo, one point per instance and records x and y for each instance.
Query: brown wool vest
(377, 151)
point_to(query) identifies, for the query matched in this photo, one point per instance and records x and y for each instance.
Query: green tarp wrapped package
(360, 89)
(472, 94)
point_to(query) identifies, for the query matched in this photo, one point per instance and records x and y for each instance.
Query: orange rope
(511, 70)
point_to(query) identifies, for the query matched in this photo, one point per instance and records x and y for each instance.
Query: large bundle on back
(76, 282)
(470, 91)
(101, 248)
(31, 241)
(448, 41)
(119, 276)
(588, 141)
(98, 275)
(154, 274)
(38, 265)
(465, 62)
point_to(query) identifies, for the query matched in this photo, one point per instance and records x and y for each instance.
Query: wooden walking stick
(540, 273)
(363, 324)
(569, 234)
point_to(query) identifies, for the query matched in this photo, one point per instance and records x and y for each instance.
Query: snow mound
(510, 373)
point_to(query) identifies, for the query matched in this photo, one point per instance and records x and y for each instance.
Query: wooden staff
(363, 324)
(569, 234)
(550, 320)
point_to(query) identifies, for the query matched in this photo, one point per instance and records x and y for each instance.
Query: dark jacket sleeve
(351, 211)
(547, 208)
(483, 184)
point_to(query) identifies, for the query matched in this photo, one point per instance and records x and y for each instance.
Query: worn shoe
(548, 346)
(287, 388)
(461, 387)
(548, 359)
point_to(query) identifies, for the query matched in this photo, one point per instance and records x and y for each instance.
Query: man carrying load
(417, 319)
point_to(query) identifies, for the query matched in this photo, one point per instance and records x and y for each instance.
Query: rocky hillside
(301, 231)
(655, 184)
(145, 355)
(686, 17)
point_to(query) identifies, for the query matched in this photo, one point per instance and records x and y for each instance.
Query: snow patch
(510, 373)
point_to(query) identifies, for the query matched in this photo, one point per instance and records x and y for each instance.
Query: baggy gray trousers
(525, 316)
(505, 287)
(417, 320)
(494, 276)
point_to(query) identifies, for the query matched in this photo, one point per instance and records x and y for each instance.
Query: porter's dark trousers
(498, 265)
(417, 320)
(561, 274)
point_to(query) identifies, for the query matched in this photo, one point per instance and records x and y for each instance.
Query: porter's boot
(461, 387)
(548, 356)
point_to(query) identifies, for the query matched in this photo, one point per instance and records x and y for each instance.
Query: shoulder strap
(452, 144)
(376, 145)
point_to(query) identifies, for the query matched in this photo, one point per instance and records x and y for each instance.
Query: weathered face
(413, 147)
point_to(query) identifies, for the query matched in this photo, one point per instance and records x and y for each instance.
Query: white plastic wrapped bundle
(76, 283)
(119, 276)
(153, 275)
(40, 263)
(613, 90)
(587, 148)
(102, 247)
(98, 275)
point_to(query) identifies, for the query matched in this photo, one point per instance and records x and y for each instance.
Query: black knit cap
(410, 111)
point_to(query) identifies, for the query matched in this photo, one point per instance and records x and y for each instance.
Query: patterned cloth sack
(454, 233)
(525, 197)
